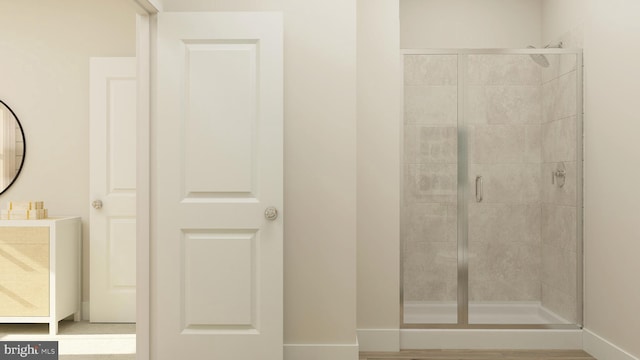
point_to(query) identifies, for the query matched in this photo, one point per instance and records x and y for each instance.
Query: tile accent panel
(429, 214)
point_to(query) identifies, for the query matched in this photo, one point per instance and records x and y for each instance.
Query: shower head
(541, 59)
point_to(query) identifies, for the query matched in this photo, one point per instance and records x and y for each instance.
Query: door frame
(145, 27)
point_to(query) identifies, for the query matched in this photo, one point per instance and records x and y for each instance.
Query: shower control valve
(559, 175)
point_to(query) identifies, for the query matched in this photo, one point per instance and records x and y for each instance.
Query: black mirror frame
(24, 151)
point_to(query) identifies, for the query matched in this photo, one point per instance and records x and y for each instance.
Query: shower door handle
(478, 188)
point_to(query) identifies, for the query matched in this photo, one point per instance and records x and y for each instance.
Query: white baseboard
(602, 349)
(85, 310)
(379, 340)
(392, 340)
(490, 339)
(85, 344)
(321, 351)
(109, 344)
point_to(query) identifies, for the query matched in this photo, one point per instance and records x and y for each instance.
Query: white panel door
(113, 96)
(217, 165)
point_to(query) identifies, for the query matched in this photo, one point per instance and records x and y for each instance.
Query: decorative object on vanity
(24, 210)
(12, 147)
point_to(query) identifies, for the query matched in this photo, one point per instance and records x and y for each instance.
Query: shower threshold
(516, 312)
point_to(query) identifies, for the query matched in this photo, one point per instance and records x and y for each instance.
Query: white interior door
(217, 165)
(113, 96)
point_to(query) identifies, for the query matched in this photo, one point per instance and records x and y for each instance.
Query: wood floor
(478, 355)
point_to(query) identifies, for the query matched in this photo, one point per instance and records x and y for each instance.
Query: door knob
(271, 213)
(97, 204)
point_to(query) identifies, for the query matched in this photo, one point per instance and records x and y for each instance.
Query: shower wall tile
(502, 70)
(559, 140)
(429, 144)
(507, 183)
(430, 271)
(559, 268)
(551, 193)
(532, 144)
(549, 100)
(567, 63)
(504, 144)
(431, 105)
(503, 105)
(487, 290)
(430, 183)
(559, 97)
(559, 227)
(558, 65)
(566, 105)
(504, 223)
(430, 69)
(422, 288)
(560, 303)
(496, 144)
(553, 70)
(427, 222)
(504, 271)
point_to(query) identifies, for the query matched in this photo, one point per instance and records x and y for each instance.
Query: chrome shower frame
(463, 186)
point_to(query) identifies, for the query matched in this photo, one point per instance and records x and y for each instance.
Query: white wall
(46, 45)
(320, 166)
(612, 174)
(610, 32)
(469, 23)
(378, 166)
(563, 20)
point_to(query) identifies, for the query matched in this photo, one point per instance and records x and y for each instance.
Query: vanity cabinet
(40, 270)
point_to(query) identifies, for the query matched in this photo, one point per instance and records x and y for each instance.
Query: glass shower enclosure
(491, 209)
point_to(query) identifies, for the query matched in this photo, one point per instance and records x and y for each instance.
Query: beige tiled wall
(500, 104)
(429, 228)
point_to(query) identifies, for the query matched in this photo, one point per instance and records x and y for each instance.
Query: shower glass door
(522, 216)
(491, 228)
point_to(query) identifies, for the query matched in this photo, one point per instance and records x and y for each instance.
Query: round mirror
(12, 147)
